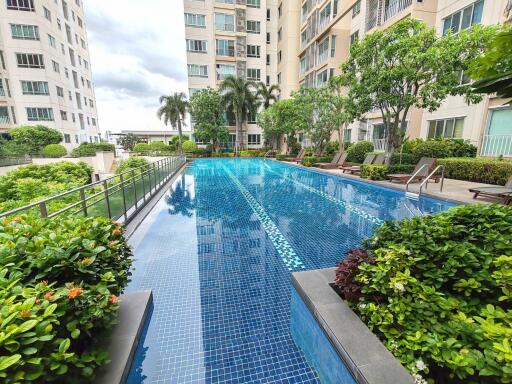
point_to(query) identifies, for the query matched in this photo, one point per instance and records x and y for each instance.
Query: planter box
(335, 341)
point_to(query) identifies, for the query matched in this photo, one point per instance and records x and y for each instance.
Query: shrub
(479, 170)
(308, 161)
(35, 137)
(440, 148)
(252, 153)
(54, 150)
(294, 148)
(281, 157)
(404, 159)
(90, 149)
(189, 146)
(131, 163)
(358, 151)
(59, 283)
(141, 147)
(158, 146)
(346, 272)
(380, 172)
(438, 293)
(332, 147)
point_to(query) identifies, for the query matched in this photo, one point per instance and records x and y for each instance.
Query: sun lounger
(498, 192)
(338, 159)
(299, 157)
(424, 166)
(369, 159)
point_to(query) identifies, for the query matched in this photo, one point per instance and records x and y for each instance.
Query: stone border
(364, 355)
(124, 339)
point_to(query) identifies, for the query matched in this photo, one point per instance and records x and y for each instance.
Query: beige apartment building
(45, 69)
(314, 37)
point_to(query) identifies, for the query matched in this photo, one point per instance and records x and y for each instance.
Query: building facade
(309, 39)
(45, 69)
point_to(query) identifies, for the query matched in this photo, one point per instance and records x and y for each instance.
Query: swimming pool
(218, 252)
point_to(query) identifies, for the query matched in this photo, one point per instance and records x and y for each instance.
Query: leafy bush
(439, 148)
(252, 153)
(332, 147)
(281, 157)
(308, 161)
(294, 148)
(35, 182)
(358, 151)
(9, 148)
(479, 170)
(59, 287)
(55, 150)
(380, 172)
(141, 147)
(35, 137)
(189, 146)
(158, 146)
(346, 272)
(131, 163)
(223, 154)
(404, 159)
(438, 293)
(90, 149)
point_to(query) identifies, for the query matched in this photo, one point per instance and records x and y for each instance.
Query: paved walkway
(454, 190)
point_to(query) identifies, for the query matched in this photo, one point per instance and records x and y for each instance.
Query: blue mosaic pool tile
(218, 252)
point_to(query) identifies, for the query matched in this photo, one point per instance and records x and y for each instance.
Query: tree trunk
(180, 134)
(237, 133)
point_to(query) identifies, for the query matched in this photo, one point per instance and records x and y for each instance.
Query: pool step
(412, 195)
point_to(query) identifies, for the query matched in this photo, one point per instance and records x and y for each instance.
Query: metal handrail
(414, 177)
(157, 174)
(425, 182)
(268, 153)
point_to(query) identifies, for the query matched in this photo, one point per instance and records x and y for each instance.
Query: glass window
(225, 70)
(253, 26)
(192, 20)
(196, 70)
(464, 18)
(224, 22)
(40, 114)
(333, 46)
(254, 139)
(196, 46)
(225, 47)
(25, 32)
(446, 128)
(356, 9)
(34, 88)
(30, 60)
(253, 74)
(21, 5)
(253, 3)
(354, 37)
(253, 51)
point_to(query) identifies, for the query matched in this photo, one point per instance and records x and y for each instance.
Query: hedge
(59, 287)
(90, 149)
(479, 170)
(189, 146)
(380, 172)
(358, 151)
(55, 150)
(252, 153)
(308, 161)
(436, 289)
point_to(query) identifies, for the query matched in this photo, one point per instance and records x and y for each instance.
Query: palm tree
(173, 111)
(239, 97)
(267, 95)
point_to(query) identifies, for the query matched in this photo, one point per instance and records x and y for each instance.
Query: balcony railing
(394, 7)
(497, 145)
(322, 57)
(226, 52)
(5, 120)
(379, 144)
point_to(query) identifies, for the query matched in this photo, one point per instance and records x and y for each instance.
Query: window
(68, 34)
(324, 16)
(464, 18)
(196, 46)
(253, 3)
(25, 32)
(268, 59)
(268, 37)
(268, 14)
(82, 43)
(77, 140)
(65, 10)
(8, 87)
(446, 128)
(225, 47)
(354, 37)
(59, 25)
(322, 78)
(51, 41)
(56, 67)
(225, 1)
(29, 60)
(72, 57)
(47, 14)
(60, 91)
(40, 114)
(196, 70)
(91, 103)
(279, 56)
(279, 33)
(334, 8)
(333, 46)
(323, 50)
(267, 82)
(197, 21)
(253, 74)
(224, 22)
(93, 121)
(279, 78)
(356, 9)
(34, 88)
(64, 117)
(225, 70)
(253, 26)
(78, 100)
(254, 139)
(21, 5)
(253, 51)
(280, 10)
(2, 90)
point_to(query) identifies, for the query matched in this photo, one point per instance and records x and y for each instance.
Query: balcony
(497, 145)
(394, 7)
(380, 11)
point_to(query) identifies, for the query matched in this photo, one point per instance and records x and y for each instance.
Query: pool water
(218, 252)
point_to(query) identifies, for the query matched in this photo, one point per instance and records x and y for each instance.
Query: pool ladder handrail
(265, 156)
(425, 182)
(413, 177)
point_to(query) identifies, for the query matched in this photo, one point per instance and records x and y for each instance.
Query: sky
(137, 50)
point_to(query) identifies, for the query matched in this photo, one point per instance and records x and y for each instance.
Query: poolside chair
(498, 192)
(369, 159)
(338, 159)
(299, 157)
(426, 164)
(379, 159)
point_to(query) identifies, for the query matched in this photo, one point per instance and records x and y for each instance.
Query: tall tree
(128, 141)
(407, 65)
(172, 111)
(267, 94)
(206, 110)
(239, 97)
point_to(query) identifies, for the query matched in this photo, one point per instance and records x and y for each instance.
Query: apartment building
(228, 37)
(45, 69)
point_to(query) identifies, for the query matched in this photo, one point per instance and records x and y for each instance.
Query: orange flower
(48, 296)
(114, 299)
(25, 314)
(74, 293)
(44, 282)
(117, 232)
(38, 301)
(18, 219)
(6, 222)
(86, 261)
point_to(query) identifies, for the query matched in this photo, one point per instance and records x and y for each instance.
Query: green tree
(267, 95)
(239, 98)
(206, 110)
(35, 137)
(128, 141)
(407, 65)
(173, 112)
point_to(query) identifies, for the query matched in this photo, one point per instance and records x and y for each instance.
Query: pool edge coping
(364, 355)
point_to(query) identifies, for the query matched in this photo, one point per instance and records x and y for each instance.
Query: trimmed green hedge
(479, 170)
(90, 149)
(358, 151)
(308, 161)
(55, 150)
(379, 172)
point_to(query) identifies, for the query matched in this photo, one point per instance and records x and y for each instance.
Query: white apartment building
(45, 69)
(228, 37)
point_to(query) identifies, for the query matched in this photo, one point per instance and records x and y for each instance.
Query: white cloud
(137, 54)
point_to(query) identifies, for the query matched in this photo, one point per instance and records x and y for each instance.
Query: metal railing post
(43, 209)
(107, 199)
(84, 203)
(142, 176)
(135, 188)
(124, 196)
